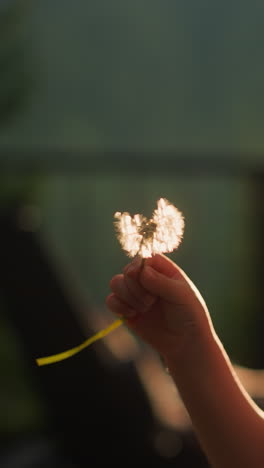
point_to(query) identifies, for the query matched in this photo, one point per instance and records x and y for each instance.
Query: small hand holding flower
(160, 303)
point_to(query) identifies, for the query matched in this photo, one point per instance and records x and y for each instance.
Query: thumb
(171, 289)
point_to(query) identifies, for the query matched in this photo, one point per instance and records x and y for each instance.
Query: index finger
(158, 262)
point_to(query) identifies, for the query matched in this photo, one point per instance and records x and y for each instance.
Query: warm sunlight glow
(146, 237)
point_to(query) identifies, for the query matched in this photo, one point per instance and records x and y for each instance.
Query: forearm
(228, 424)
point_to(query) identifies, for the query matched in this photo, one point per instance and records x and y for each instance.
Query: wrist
(192, 351)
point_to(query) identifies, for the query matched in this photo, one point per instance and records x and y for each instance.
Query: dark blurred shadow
(96, 414)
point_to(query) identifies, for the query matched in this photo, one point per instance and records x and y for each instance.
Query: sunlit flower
(138, 235)
(162, 233)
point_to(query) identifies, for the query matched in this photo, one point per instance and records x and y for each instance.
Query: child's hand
(161, 305)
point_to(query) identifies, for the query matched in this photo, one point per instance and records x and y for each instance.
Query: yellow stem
(70, 352)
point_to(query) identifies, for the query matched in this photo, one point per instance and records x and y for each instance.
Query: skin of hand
(161, 304)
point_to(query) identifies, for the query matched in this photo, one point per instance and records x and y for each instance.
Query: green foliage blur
(140, 74)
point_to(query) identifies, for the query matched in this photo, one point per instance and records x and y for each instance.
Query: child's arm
(165, 309)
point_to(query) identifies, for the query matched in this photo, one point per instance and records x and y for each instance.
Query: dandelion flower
(138, 236)
(162, 233)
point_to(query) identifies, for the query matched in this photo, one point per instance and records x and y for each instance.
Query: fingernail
(119, 308)
(149, 271)
(134, 265)
(137, 260)
(129, 313)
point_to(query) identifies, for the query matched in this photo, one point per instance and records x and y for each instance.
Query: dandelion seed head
(162, 233)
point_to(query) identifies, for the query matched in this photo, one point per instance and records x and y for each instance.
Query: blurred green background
(86, 87)
(185, 75)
